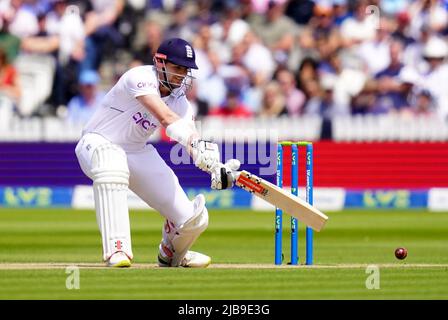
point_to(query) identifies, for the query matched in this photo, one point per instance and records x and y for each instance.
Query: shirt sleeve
(141, 81)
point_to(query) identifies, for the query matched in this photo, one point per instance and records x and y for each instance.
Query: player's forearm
(177, 128)
(159, 109)
(167, 118)
(205, 154)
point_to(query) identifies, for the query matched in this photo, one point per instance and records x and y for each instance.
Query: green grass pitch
(37, 245)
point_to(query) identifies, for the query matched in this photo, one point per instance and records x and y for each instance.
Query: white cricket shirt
(123, 120)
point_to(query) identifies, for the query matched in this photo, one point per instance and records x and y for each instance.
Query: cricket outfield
(37, 246)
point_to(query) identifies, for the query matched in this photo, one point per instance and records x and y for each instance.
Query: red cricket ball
(401, 253)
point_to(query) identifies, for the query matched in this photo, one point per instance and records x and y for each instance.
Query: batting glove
(205, 154)
(224, 175)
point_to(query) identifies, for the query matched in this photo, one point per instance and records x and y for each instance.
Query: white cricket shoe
(119, 260)
(192, 259)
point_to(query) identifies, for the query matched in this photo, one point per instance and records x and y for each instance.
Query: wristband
(181, 131)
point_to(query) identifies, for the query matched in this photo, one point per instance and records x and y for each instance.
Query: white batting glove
(205, 154)
(224, 175)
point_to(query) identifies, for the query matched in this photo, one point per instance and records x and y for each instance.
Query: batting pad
(181, 239)
(110, 175)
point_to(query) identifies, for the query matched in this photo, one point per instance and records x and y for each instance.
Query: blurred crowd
(255, 57)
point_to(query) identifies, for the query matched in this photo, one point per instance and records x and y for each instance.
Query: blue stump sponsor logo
(278, 222)
(293, 225)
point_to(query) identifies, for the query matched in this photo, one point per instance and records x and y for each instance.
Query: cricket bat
(282, 199)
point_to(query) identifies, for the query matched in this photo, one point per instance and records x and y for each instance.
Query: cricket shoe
(119, 260)
(192, 259)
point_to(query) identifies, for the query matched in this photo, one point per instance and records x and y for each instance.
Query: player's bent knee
(186, 234)
(199, 222)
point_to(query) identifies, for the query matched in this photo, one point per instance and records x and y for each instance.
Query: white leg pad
(110, 176)
(177, 241)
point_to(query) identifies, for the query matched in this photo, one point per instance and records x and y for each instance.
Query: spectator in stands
(203, 15)
(235, 72)
(212, 43)
(229, 30)
(276, 30)
(232, 106)
(179, 27)
(252, 96)
(202, 59)
(418, 101)
(363, 102)
(427, 12)
(71, 52)
(300, 11)
(434, 76)
(390, 96)
(349, 79)
(304, 48)
(322, 103)
(259, 7)
(154, 5)
(255, 52)
(200, 106)
(308, 71)
(328, 108)
(66, 23)
(214, 83)
(61, 35)
(323, 20)
(273, 103)
(358, 28)
(9, 88)
(246, 9)
(244, 42)
(340, 11)
(401, 33)
(313, 93)
(424, 104)
(54, 16)
(20, 17)
(42, 42)
(295, 99)
(8, 77)
(82, 106)
(153, 37)
(393, 7)
(8, 42)
(237, 57)
(375, 53)
(102, 35)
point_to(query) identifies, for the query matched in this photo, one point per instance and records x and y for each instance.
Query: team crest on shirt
(141, 119)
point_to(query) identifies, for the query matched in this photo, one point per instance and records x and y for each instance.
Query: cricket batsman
(114, 153)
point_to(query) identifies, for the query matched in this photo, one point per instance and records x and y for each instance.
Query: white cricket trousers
(149, 177)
